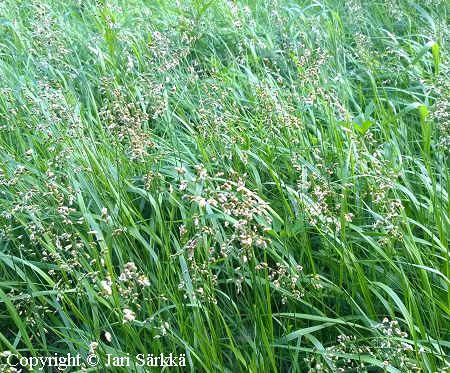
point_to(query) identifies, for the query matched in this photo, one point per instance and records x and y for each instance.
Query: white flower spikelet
(128, 315)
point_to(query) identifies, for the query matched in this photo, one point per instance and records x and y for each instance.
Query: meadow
(251, 186)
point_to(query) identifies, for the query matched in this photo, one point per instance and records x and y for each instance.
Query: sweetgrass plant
(261, 186)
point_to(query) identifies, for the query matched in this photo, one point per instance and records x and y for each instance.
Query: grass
(261, 186)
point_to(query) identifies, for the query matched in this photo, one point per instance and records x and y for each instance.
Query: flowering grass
(261, 186)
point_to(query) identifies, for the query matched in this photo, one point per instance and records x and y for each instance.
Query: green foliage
(261, 186)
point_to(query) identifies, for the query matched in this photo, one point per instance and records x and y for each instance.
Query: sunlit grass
(261, 186)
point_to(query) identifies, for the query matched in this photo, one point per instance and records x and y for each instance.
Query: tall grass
(259, 185)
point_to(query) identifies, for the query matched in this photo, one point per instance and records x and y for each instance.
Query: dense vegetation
(260, 185)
